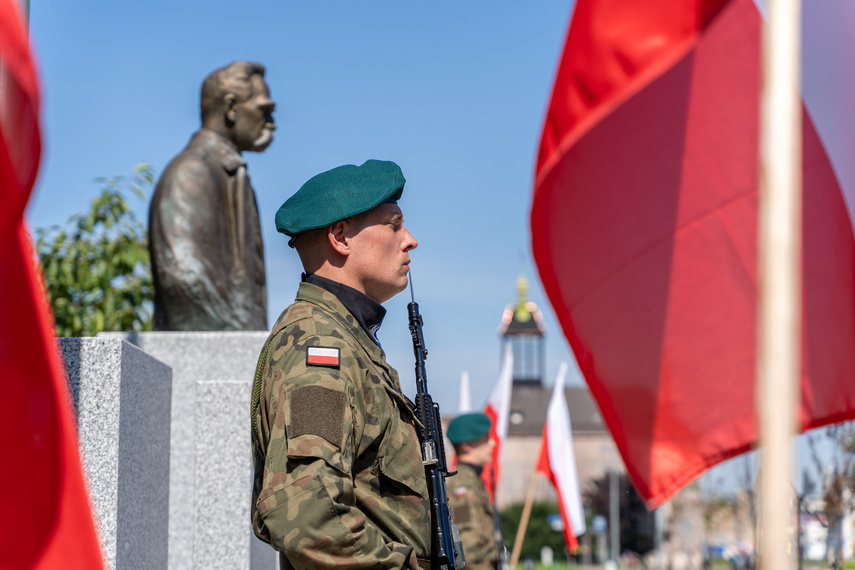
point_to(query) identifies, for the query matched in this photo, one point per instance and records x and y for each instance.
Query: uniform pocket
(319, 423)
(400, 453)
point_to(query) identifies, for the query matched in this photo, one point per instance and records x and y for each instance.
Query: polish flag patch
(323, 356)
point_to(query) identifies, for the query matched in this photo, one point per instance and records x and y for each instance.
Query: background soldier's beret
(468, 427)
(338, 194)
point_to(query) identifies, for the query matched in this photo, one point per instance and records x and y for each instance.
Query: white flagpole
(465, 396)
(780, 232)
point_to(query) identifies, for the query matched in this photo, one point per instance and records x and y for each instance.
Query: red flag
(45, 519)
(498, 409)
(644, 231)
(557, 462)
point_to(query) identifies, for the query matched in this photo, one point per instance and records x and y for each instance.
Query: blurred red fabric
(644, 231)
(46, 519)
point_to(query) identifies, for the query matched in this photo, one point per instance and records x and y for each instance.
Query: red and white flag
(498, 409)
(644, 224)
(45, 516)
(557, 462)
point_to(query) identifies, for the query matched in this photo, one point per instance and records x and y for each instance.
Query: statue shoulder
(188, 163)
(188, 172)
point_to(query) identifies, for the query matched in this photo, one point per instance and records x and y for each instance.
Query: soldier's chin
(263, 141)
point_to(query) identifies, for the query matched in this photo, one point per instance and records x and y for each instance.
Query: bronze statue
(207, 257)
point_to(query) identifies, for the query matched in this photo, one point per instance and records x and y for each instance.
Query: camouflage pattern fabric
(339, 479)
(473, 514)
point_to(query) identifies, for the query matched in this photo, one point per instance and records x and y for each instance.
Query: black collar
(368, 312)
(476, 468)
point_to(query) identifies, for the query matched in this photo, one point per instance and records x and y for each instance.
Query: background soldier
(467, 496)
(339, 479)
(207, 257)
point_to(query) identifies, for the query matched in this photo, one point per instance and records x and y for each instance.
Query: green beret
(338, 194)
(468, 427)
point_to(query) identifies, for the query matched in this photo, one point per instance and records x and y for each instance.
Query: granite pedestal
(122, 398)
(211, 463)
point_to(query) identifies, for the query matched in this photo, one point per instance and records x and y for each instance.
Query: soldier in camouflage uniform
(339, 480)
(470, 503)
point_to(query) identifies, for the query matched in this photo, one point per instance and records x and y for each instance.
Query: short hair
(233, 78)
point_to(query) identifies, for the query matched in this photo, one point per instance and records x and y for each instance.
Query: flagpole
(529, 500)
(779, 326)
(465, 403)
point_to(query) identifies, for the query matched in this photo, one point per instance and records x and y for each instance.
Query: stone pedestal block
(211, 464)
(122, 397)
(224, 471)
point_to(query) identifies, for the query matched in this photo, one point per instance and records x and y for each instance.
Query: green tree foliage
(97, 269)
(537, 535)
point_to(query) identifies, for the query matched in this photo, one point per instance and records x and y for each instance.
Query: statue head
(236, 104)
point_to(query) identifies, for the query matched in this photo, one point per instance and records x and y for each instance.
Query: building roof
(529, 403)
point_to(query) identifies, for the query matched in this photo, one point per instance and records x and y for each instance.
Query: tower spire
(522, 312)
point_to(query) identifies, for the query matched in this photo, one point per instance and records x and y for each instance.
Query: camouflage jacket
(473, 514)
(339, 479)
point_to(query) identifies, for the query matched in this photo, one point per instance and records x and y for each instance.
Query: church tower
(522, 327)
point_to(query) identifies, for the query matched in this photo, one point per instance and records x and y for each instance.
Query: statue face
(254, 125)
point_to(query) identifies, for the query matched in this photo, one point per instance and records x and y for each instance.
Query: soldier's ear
(229, 102)
(337, 235)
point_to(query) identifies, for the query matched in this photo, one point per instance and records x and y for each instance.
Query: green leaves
(538, 533)
(97, 269)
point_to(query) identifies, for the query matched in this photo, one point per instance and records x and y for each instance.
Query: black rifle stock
(446, 549)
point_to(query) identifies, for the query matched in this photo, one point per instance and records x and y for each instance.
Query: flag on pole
(557, 462)
(498, 409)
(644, 229)
(465, 396)
(45, 518)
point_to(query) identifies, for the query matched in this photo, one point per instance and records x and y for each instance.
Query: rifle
(446, 549)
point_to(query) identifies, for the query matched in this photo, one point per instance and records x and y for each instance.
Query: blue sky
(454, 92)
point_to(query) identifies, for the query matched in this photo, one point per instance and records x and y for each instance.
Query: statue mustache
(265, 138)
